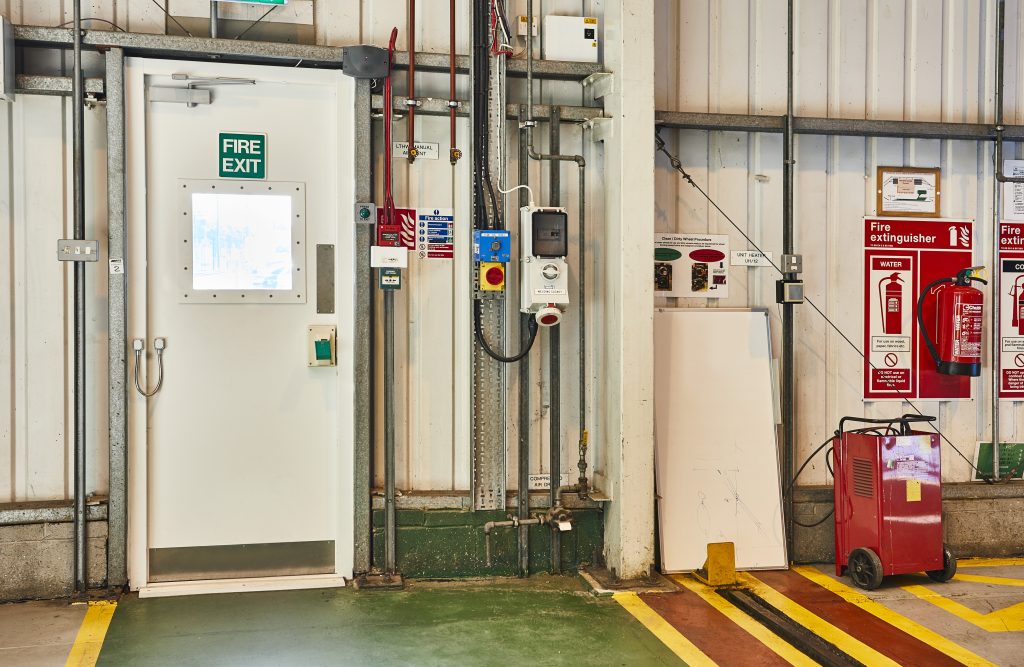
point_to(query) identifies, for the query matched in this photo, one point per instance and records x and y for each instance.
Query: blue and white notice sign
(435, 233)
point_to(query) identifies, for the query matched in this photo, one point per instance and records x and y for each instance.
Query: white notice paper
(691, 265)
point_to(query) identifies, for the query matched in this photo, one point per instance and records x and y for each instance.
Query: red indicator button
(494, 276)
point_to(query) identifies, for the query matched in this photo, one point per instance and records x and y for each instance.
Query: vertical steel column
(788, 353)
(389, 431)
(214, 19)
(524, 379)
(78, 194)
(117, 359)
(554, 353)
(363, 331)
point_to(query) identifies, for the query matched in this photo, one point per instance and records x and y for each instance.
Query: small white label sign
(116, 266)
(542, 481)
(425, 150)
(751, 258)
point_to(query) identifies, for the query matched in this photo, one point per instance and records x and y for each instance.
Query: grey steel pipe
(523, 498)
(214, 19)
(554, 354)
(389, 434)
(788, 342)
(997, 201)
(78, 194)
(581, 164)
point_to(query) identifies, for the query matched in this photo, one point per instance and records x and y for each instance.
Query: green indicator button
(322, 349)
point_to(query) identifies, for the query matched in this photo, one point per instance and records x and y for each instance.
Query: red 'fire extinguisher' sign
(901, 257)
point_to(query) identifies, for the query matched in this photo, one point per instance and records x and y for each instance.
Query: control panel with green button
(321, 345)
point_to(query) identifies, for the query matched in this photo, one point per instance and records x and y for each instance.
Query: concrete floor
(38, 633)
(977, 619)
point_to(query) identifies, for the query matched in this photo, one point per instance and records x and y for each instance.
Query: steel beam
(542, 69)
(117, 355)
(55, 511)
(902, 129)
(33, 84)
(186, 48)
(363, 331)
(205, 48)
(438, 107)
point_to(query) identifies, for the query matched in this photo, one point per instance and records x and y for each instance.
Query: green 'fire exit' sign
(242, 155)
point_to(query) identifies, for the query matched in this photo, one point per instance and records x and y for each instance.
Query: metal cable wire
(678, 166)
(168, 14)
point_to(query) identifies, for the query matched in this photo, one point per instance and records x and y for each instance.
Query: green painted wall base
(450, 543)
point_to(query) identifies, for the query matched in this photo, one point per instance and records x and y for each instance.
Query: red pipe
(453, 153)
(412, 81)
(389, 102)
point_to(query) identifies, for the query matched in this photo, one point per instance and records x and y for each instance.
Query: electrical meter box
(545, 242)
(570, 38)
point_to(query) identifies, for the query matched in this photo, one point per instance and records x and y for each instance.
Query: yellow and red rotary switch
(492, 276)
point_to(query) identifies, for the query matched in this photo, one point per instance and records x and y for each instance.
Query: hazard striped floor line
(663, 630)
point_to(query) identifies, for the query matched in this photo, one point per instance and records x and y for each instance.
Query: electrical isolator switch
(492, 245)
(492, 276)
(321, 345)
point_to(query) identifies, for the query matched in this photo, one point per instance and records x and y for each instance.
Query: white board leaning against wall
(716, 456)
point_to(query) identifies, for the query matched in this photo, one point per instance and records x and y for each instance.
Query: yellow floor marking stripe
(1010, 619)
(912, 628)
(989, 562)
(830, 633)
(777, 644)
(663, 630)
(86, 649)
(999, 581)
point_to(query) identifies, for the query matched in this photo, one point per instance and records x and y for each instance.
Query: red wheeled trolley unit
(888, 502)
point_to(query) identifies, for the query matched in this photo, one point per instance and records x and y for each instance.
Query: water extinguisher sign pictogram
(1017, 305)
(891, 303)
(956, 345)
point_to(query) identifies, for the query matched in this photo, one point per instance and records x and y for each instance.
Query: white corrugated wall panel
(880, 59)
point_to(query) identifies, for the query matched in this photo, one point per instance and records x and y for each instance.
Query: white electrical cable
(519, 187)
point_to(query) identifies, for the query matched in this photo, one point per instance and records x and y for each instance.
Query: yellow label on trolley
(913, 491)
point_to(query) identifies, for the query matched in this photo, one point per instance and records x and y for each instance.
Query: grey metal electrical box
(7, 73)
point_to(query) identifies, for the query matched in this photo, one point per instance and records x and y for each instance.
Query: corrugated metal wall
(898, 59)
(878, 59)
(433, 379)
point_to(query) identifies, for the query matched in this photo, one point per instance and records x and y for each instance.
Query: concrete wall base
(36, 559)
(979, 520)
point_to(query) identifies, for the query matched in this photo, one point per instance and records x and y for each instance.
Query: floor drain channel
(801, 638)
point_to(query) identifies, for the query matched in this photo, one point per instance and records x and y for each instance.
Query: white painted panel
(717, 475)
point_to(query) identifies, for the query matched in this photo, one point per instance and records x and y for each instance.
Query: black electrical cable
(678, 166)
(531, 325)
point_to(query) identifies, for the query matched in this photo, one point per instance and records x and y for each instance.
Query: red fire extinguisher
(892, 304)
(958, 317)
(1018, 304)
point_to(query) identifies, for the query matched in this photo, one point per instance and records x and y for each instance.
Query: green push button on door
(323, 349)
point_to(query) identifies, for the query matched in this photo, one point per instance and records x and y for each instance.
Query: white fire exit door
(239, 249)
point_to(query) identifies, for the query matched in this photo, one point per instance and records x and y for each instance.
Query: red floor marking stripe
(873, 631)
(719, 638)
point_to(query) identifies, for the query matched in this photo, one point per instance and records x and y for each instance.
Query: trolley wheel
(948, 567)
(865, 568)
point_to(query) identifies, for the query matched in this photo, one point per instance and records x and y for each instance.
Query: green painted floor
(543, 621)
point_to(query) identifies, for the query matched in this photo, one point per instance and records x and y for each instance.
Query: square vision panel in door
(242, 242)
